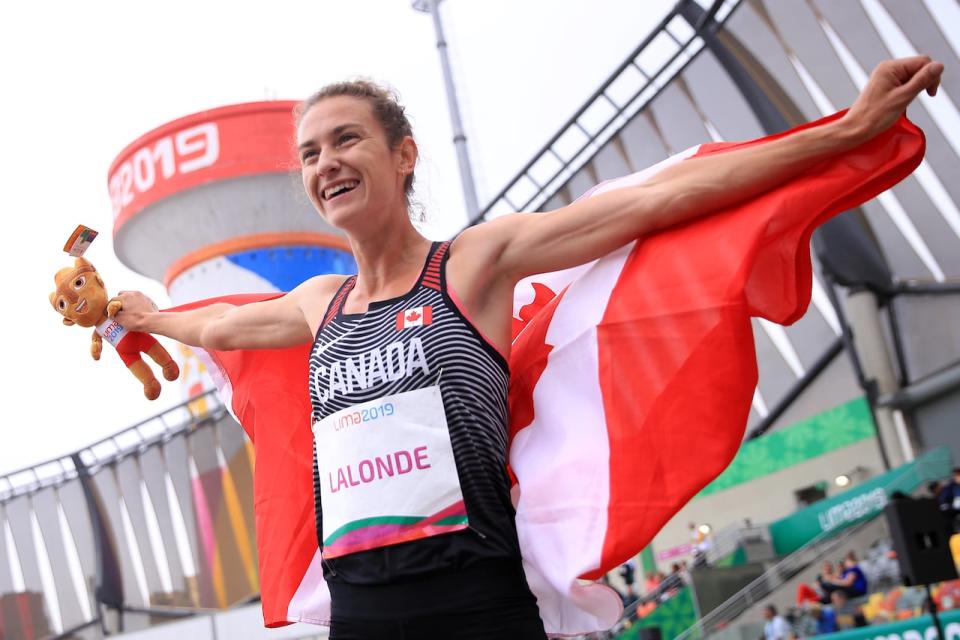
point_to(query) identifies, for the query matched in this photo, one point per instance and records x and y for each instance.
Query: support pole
(459, 137)
(863, 311)
(867, 385)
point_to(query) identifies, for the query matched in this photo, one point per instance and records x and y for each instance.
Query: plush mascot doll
(81, 299)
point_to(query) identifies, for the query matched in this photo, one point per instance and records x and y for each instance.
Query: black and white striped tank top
(473, 378)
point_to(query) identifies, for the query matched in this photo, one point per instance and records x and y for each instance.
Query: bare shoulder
(319, 285)
(313, 296)
(482, 244)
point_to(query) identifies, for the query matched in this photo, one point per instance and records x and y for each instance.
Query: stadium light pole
(459, 137)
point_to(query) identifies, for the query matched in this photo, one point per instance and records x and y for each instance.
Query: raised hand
(892, 86)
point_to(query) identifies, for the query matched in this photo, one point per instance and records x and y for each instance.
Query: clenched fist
(892, 86)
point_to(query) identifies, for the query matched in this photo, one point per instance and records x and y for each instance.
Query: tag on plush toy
(80, 241)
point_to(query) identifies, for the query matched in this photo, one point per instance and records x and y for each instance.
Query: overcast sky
(82, 80)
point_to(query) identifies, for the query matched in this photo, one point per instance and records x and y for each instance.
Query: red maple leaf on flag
(413, 316)
(542, 295)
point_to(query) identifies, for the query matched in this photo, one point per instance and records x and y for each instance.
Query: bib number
(387, 473)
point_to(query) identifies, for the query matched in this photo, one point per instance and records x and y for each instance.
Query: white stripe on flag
(311, 602)
(569, 430)
(220, 381)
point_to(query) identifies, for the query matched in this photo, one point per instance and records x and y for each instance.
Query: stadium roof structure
(741, 70)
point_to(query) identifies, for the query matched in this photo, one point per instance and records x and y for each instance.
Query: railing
(723, 542)
(727, 540)
(158, 428)
(647, 71)
(931, 466)
(770, 581)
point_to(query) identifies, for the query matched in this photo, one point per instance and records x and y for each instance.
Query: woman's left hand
(892, 86)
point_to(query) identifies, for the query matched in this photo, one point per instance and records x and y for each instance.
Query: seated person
(948, 499)
(806, 594)
(852, 581)
(847, 615)
(825, 581)
(948, 494)
(826, 619)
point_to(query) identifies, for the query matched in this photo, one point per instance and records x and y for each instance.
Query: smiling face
(80, 296)
(350, 172)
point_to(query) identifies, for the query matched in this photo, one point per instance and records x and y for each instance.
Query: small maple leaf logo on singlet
(417, 317)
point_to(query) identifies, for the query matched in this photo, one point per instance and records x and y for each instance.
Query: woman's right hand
(135, 311)
(274, 323)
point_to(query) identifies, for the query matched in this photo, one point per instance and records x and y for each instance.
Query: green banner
(833, 429)
(647, 562)
(674, 616)
(919, 628)
(863, 502)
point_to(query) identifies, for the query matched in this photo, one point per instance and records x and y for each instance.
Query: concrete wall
(771, 497)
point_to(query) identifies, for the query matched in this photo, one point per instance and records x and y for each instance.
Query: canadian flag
(416, 317)
(631, 380)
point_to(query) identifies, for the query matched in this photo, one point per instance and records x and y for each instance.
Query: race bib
(387, 473)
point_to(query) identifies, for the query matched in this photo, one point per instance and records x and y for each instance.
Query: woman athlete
(418, 341)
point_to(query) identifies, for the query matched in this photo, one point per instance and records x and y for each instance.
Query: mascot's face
(80, 297)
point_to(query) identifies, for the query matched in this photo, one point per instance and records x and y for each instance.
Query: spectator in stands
(880, 566)
(819, 592)
(952, 487)
(933, 489)
(671, 584)
(803, 622)
(674, 579)
(826, 619)
(776, 628)
(807, 595)
(825, 584)
(696, 537)
(852, 581)
(848, 615)
(948, 497)
(652, 582)
(628, 573)
(699, 559)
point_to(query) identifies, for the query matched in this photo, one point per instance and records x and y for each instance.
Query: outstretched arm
(282, 322)
(525, 244)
